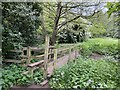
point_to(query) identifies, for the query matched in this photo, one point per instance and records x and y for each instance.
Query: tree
(20, 22)
(100, 23)
(114, 13)
(64, 13)
(75, 31)
(113, 7)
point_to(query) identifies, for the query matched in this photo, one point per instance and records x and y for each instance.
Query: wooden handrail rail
(12, 61)
(38, 56)
(33, 48)
(63, 49)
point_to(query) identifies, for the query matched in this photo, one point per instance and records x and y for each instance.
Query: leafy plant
(86, 74)
(38, 76)
(12, 75)
(34, 60)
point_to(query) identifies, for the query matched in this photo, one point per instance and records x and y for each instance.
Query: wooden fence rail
(50, 53)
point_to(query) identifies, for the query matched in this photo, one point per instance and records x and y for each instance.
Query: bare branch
(64, 23)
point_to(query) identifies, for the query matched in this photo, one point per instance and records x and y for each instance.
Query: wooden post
(28, 54)
(22, 57)
(31, 72)
(69, 54)
(46, 56)
(50, 56)
(55, 58)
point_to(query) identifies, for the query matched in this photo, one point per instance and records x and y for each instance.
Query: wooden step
(36, 63)
(44, 82)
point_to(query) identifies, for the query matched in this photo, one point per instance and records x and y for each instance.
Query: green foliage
(99, 24)
(67, 37)
(34, 60)
(113, 7)
(20, 21)
(86, 74)
(105, 46)
(97, 30)
(114, 11)
(12, 75)
(38, 76)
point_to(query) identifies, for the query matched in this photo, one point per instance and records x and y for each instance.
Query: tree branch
(58, 12)
(64, 23)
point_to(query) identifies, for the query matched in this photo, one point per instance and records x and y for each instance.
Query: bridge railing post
(46, 56)
(28, 55)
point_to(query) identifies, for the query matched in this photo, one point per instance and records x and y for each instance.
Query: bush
(86, 74)
(104, 46)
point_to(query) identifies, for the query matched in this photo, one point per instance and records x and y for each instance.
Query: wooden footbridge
(51, 58)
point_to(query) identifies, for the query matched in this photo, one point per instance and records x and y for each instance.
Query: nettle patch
(86, 74)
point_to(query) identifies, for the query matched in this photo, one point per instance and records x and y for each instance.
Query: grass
(104, 46)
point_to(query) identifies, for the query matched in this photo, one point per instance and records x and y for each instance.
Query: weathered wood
(33, 48)
(52, 47)
(22, 59)
(28, 55)
(26, 72)
(24, 48)
(36, 63)
(44, 82)
(50, 53)
(31, 70)
(36, 48)
(12, 61)
(15, 50)
(63, 49)
(23, 56)
(38, 56)
(46, 55)
(55, 58)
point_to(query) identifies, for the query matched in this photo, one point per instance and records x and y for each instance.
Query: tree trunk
(55, 28)
(53, 38)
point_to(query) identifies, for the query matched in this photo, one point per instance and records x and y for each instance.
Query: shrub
(86, 74)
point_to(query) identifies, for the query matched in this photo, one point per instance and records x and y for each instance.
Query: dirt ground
(96, 56)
